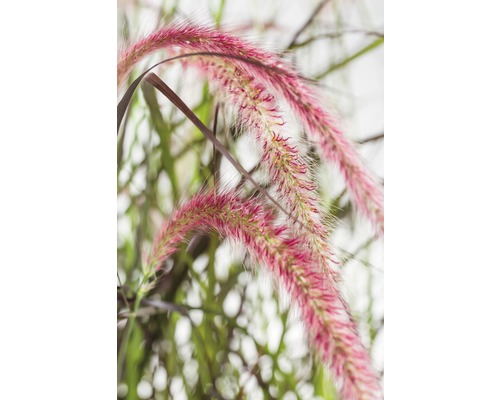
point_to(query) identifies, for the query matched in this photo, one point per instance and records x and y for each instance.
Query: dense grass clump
(275, 214)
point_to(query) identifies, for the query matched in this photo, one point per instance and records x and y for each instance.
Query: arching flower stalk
(330, 330)
(282, 79)
(258, 112)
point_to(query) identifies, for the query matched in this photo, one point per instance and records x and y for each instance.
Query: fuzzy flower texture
(253, 82)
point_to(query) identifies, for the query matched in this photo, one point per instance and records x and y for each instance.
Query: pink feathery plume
(258, 112)
(285, 81)
(330, 330)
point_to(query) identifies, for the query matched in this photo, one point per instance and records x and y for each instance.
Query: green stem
(130, 326)
(373, 45)
(164, 133)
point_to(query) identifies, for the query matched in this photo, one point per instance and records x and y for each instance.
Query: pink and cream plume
(283, 80)
(259, 113)
(329, 327)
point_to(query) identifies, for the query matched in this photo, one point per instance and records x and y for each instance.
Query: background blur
(214, 319)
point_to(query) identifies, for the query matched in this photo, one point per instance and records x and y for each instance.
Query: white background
(58, 200)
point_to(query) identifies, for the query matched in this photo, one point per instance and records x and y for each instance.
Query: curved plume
(259, 112)
(330, 330)
(319, 123)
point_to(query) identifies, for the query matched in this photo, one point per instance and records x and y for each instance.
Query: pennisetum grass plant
(297, 254)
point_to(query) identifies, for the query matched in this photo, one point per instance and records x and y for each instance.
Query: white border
(58, 200)
(442, 69)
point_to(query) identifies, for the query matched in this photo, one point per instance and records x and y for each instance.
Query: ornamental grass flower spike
(259, 113)
(285, 82)
(329, 327)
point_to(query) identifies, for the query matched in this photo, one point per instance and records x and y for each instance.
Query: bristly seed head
(330, 329)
